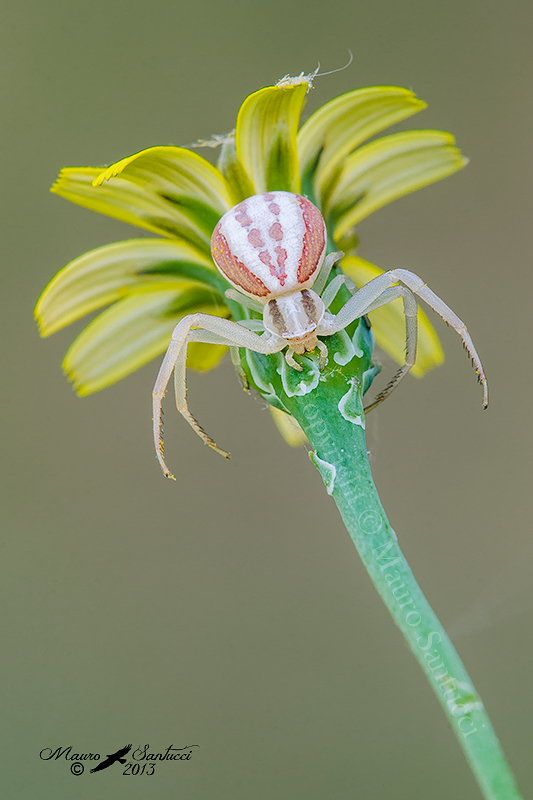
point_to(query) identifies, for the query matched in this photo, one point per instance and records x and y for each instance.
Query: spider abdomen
(270, 244)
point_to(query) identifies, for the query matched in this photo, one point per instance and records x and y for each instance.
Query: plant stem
(339, 451)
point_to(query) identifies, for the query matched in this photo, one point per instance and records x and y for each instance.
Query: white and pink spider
(271, 248)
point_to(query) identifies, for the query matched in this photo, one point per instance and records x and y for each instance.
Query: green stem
(338, 441)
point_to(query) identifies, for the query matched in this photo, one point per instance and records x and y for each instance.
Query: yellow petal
(388, 168)
(132, 203)
(288, 427)
(266, 136)
(388, 323)
(177, 174)
(341, 125)
(129, 334)
(233, 171)
(108, 273)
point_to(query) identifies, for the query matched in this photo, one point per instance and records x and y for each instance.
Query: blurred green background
(230, 609)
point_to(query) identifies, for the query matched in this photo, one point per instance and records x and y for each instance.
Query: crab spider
(271, 248)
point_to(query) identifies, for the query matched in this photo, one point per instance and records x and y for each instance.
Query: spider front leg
(332, 289)
(325, 269)
(331, 325)
(376, 293)
(205, 328)
(410, 309)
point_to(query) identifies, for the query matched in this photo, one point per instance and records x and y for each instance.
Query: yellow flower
(149, 284)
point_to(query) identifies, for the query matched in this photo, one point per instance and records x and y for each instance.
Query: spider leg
(252, 324)
(410, 308)
(325, 270)
(236, 361)
(332, 289)
(289, 358)
(212, 329)
(198, 335)
(323, 350)
(363, 299)
(244, 300)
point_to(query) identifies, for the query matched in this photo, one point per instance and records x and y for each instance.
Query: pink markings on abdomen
(281, 259)
(235, 271)
(265, 258)
(255, 239)
(276, 232)
(274, 209)
(276, 270)
(241, 215)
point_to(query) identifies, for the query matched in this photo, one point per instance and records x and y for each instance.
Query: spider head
(295, 317)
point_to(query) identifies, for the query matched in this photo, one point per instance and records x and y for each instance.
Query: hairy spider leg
(213, 330)
(236, 361)
(359, 304)
(411, 334)
(410, 310)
